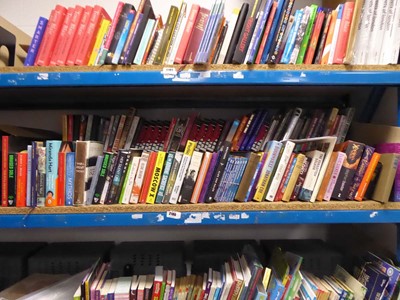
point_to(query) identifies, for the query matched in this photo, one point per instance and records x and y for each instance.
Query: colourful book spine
(69, 178)
(137, 185)
(210, 172)
(36, 41)
(123, 37)
(328, 43)
(335, 36)
(266, 32)
(12, 179)
(61, 179)
(29, 177)
(299, 35)
(344, 32)
(155, 181)
(191, 177)
(101, 34)
(177, 34)
(21, 178)
(307, 34)
(172, 177)
(129, 180)
(334, 177)
(165, 176)
(201, 177)
(307, 189)
(52, 148)
(367, 177)
(107, 158)
(144, 41)
(315, 37)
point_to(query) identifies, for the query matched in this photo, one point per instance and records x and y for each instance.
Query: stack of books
(357, 32)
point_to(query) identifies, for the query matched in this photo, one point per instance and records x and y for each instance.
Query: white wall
(24, 14)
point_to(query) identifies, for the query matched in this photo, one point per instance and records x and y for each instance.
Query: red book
(50, 36)
(314, 38)
(266, 32)
(4, 170)
(78, 37)
(61, 179)
(22, 165)
(62, 36)
(148, 176)
(344, 31)
(89, 37)
(196, 36)
(69, 36)
(157, 283)
(281, 190)
(70, 127)
(194, 11)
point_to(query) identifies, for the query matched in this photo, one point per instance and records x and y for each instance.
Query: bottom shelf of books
(331, 212)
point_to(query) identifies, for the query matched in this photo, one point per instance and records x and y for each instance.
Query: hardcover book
(36, 41)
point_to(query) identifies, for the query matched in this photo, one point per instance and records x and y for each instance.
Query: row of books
(356, 32)
(245, 276)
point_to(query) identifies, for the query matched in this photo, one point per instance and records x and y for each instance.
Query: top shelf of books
(219, 75)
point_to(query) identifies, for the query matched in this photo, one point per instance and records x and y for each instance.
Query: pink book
(334, 177)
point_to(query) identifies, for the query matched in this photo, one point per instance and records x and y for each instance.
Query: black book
(236, 33)
(148, 13)
(12, 179)
(118, 30)
(246, 34)
(102, 177)
(322, 38)
(219, 43)
(76, 127)
(118, 174)
(278, 39)
(219, 170)
(109, 177)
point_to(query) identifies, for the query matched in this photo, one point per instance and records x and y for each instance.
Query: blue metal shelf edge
(173, 218)
(171, 77)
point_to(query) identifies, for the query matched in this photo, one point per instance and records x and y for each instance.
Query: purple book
(208, 284)
(362, 167)
(35, 43)
(392, 148)
(214, 162)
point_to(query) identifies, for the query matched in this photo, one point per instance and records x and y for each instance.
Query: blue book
(69, 178)
(144, 41)
(292, 37)
(52, 149)
(274, 28)
(275, 288)
(255, 129)
(234, 185)
(259, 31)
(223, 182)
(374, 280)
(124, 58)
(35, 43)
(122, 39)
(164, 179)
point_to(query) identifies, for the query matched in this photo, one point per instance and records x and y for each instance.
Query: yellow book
(293, 178)
(101, 34)
(156, 178)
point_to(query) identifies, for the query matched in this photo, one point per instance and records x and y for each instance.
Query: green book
(307, 34)
(166, 37)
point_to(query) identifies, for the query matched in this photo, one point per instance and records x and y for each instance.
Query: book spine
(101, 35)
(166, 36)
(4, 170)
(123, 38)
(191, 177)
(52, 148)
(310, 180)
(344, 32)
(266, 173)
(41, 177)
(105, 166)
(389, 29)
(28, 201)
(50, 36)
(78, 36)
(256, 177)
(36, 41)
(327, 176)
(12, 179)
(155, 181)
(177, 35)
(307, 33)
(363, 33)
(110, 34)
(117, 178)
(266, 32)
(335, 36)
(129, 180)
(359, 196)
(144, 42)
(300, 34)
(69, 178)
(183, 166)
(377, 32)
(148, 177)
(131, 45)
(334, 177)
(329, 36)
(80, 168)
(21, 178)
(61, 179)
(311, 50)
(201, 177)
(137, 185)
(95, 178)
(165, 176)
(286, 177)
(300, 178)
(152, 41)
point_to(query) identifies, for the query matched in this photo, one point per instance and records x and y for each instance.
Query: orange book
(148, 176)
(78, 37)
(344, 31)
(314, 38)
(327, 176)
(367, 177)
(62, 54)
(329, 38)
(61, 179)
(238, 133)
(194, 10)
(89, 36)
(50, 36)
(266, 32)
(201, 177)
(22, 165)
(62, 36)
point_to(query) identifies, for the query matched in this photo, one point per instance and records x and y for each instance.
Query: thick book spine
(50, 36)
(286, 177)
(166, 36)
(177, 35)
(327, 176)
(359, 196)
(137, 185)
(190, 177)
(293, 177)
(250, 170)
(164, 178)
(355, 24)
(196, 36)
(52, 148)
(12, 179)
(123, 38)
(61, 179)
(329, 36)
(69, 178)
(156, 177)
(305, 17)
(129, 179)
(344, 32)
(78, 36)
(307, 34)
(178, 59)
(335, 36)
(334, 177)
(300, 178)
(36, 41)
(389, 48)
(148, 177)
(105, 166)
(21, 178)
(117, 180)
(100, 37)
(322, 40)
(307, 189)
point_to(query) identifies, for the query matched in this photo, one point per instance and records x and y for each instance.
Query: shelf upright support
(372, 103)
(398, 106)
(398, 241)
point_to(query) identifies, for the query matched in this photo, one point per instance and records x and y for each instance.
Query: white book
(335, 33)
(391, 40)
(132, 170)
(334, 177)
(177, 34)
(228, 36)
(184, 165)
(190, 177)
(276, 180)
(213, 285)
(228, 282)
(363, 33)
(357, 287)
(137, 184)
(377, 32)
(122, 289)
(314, 168)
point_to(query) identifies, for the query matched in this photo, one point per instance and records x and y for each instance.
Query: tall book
(308, 187)
(100, 37)
(166, 36)
(293, 177)
(344, 33)
(335, 35)
(36, 41)
(190, 177)
(69, 178)
(177, 34)
(52, 149)
(156, 177)
(21, 178)
(85, 163)
(231, 23)
(307, 34)
(385, 182)
(315, 37)
(329, 36)
(246, 34)
(123, 37)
